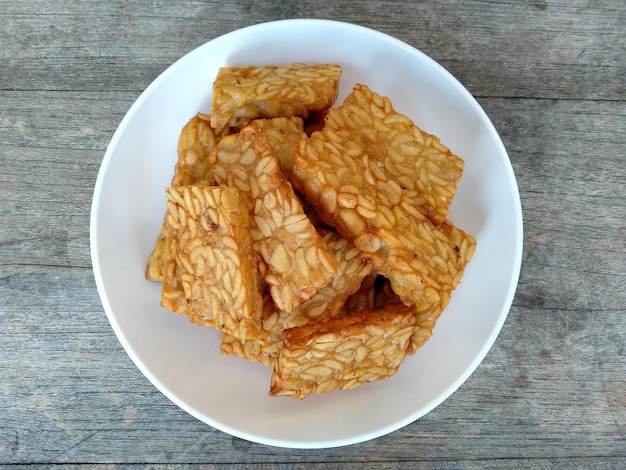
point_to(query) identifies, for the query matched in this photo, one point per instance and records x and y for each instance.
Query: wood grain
(551, 393)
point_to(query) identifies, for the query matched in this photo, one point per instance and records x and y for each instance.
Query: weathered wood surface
(552, 77)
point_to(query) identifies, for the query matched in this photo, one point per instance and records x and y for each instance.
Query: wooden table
(552, 77)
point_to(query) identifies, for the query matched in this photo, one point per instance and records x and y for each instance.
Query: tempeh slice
(195, 142)
(241, 94)
(325, 304)
(330, 298)
(212, 249)
(417, 161)
(294, 260)
(342, 353)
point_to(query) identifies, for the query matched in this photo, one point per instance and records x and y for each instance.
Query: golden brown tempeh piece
(195, 142)
(418, 162)
(342, 353)
(158, 256)
(329, 300)
(241, 94)
(351, 194)
(173, 296)
(435, 259)
(212, 249)
(295, 259)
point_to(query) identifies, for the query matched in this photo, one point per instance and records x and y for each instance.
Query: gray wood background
(552, 77)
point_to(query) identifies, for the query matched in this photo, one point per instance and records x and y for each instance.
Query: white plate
(182, 360)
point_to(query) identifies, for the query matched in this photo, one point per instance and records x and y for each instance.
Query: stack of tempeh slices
(325, 254)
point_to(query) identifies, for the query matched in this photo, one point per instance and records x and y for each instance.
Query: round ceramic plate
(182, 360)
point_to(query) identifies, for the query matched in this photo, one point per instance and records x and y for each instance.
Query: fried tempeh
(294, 260)
(195, 142)
(342, 353)
(417, 161)
(209, 226)
(173, 296)
(241, 94)
(350, 193)
(435, 260)
(325, 304)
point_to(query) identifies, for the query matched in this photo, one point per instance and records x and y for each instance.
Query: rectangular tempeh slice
(330, 298)
(326, 303)
(350, 193)
(241, 94)
(294, 260)
(213, 254)
(342, 353)
(417, 161)
(195, 142)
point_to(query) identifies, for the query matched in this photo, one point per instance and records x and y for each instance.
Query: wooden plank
(51, 146)
(572, 50)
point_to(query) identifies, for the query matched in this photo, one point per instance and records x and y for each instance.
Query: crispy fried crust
(195, 142)
(241, 94)
(342, 353)
(212, 250)
(464, 246)
(158, 256)
(173, 296)
(350, 194)
(295, 262)
(417, 161)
